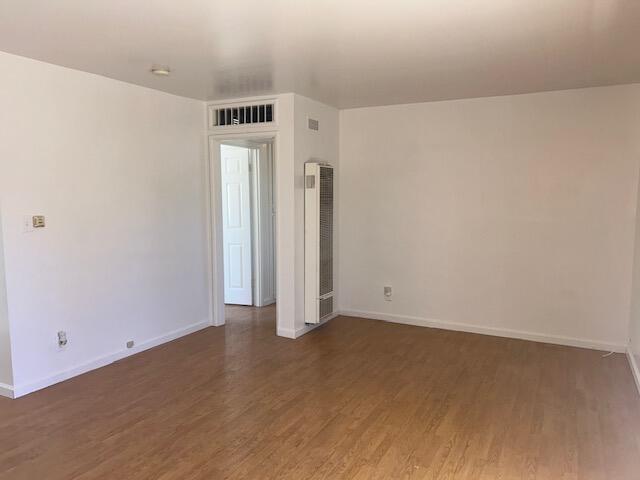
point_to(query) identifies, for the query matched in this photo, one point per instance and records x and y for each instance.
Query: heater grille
(318, 242)
(326, 230)
(326, 307)
(243, 115)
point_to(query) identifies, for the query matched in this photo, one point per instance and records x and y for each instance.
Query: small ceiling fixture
(161, 71)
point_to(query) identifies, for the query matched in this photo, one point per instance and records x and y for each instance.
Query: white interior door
(236, 218)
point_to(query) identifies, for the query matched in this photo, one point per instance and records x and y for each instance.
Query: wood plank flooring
(355, 399)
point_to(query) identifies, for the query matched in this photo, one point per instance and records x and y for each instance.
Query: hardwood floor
(354, 399)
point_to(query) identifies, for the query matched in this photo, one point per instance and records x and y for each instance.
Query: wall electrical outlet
(130, 344)
(62, 339)
(388, 293)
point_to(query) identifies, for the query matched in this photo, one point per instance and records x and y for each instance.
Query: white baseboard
(496, 332)
(6, 390)
(286, 332)
(307, 328)
(265, 302)
(24, 389)
(173, 335)
(298, 332)
(634, 367)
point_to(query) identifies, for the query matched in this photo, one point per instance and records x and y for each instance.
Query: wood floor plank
(355, 399)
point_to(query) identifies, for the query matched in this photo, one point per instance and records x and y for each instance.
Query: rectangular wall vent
(313, 124)
(243, 115)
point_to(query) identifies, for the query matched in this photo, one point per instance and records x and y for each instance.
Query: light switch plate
(38, 221)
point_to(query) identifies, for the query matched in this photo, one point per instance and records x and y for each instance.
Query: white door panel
(235, 258)
(234, 205)
(236, 221)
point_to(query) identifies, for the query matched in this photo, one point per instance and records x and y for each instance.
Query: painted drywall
(6, 372)
(634, 321)
(285, 217)
(513, 215)
(119, 173)
(312, 145)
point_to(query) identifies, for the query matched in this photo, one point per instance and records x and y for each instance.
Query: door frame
(258, 218)
(214, 218)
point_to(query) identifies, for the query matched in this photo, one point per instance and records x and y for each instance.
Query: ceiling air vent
(243, 115)
(313, 124)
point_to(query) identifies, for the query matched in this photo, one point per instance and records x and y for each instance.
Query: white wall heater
(318, 242)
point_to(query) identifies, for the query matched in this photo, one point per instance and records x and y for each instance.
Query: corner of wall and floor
(118, 175)
(522, 226)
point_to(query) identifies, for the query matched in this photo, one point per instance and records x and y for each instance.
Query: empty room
(283, 239)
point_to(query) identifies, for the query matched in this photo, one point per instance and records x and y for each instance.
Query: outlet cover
(388, 293)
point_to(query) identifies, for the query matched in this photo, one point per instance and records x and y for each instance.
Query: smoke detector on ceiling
(161, 70)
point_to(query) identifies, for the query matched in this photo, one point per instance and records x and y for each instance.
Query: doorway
(248, 222)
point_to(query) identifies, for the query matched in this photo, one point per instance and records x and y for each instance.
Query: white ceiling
(346, 53)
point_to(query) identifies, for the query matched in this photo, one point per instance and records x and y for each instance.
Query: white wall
(119, 172)
(6, 374)
(634, 323)
(512, 213)
(321, 145)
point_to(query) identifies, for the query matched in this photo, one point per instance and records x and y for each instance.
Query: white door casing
(263, 227)
(236, 222)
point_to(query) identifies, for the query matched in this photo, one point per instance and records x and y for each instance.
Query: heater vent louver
(234, 115)
(326, 230)
(326, 307)
(318, 242)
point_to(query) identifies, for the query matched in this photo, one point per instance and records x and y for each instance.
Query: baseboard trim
(173, 335)
(493, 331)
(6, 390)
(307, 328)
(298, 332)
(265, 303)
(634, 367)
(286, 332)
(24, 389)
